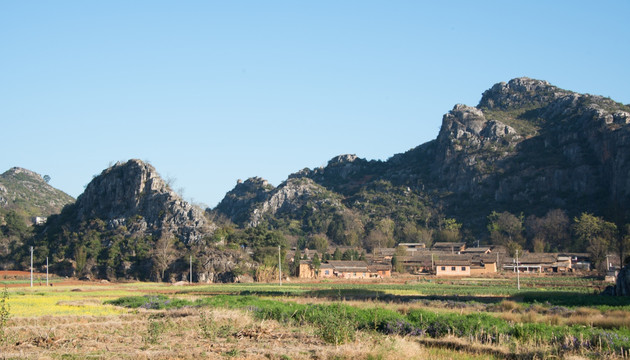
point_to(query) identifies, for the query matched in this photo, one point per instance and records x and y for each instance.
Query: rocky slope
(29, 194)
(528, 147)
(255, 200)
(134, 190)
(129, 224)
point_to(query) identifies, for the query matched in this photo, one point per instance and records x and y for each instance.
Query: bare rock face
(466, 146)
(239, 203)
(291, 196)
(519, 93)
(135, 190)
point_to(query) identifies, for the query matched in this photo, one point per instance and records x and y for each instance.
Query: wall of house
(452, 270)
(306, 271)
(326, 273)
(487, 269)
(354, 275)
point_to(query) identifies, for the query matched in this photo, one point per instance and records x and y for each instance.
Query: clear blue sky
(214, 91)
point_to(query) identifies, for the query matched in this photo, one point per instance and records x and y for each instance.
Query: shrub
(155, 329)
(4, 315)
(335, 329)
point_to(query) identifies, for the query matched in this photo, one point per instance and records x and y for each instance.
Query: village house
(540, 262)
(383, 254)
(477, 250)
(482, 267)
(452, 267)
(452, 247)
(344, 269)
(305, 269)
(417, 264)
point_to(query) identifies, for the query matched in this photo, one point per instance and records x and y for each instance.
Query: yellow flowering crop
(43, 303)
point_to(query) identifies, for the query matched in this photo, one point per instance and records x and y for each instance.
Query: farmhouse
(344, 269)
(451, 247)
(481, 267)
(477, 250)
(540, 262)
(452, 268)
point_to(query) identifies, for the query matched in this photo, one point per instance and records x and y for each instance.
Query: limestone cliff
(135, 190)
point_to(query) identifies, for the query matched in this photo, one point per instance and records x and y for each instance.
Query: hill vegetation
(530, 167)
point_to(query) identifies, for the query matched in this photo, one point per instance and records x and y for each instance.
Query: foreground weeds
(337, 324)
(177, 334)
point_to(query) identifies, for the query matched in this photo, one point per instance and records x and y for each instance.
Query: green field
(440, 318)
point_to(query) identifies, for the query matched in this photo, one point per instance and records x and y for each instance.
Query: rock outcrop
(240, 202)
(134, 190)
(291, 196)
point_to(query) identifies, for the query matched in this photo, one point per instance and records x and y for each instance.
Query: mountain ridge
(27, 192)
(528, 146)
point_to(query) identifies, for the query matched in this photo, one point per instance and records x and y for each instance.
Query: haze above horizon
(212, 92)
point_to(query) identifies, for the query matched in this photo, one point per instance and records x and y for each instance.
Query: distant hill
(27, 193)
(128, 223)
(528, 147)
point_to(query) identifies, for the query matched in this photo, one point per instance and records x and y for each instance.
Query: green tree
(350, 254)
(345, 228)
(337, 255)
(397, 264)
(80, 258)
(318, 242)
(316, 263)
(595, 235)
(449, 231)
(295, 265)
(15, 225)
(507, 230)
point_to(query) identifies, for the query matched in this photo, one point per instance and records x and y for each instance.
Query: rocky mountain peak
(342, 159)
(520, 93)
(239, 202)
(135, 190)
(16, 171)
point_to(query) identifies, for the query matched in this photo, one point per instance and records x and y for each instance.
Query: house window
(443, 268)
(326, 272)
(355, 274)
(363, 274)
(452, 268)
(463, 268)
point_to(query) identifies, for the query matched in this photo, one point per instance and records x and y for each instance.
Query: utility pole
(607, 264)
(279, 266)
(191, 269)
(46, 271)
(31, 266)
(518, 273)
